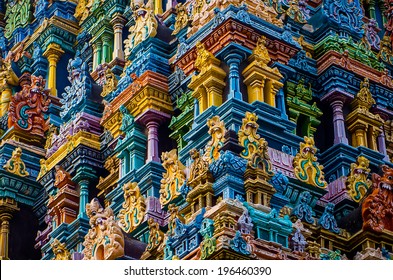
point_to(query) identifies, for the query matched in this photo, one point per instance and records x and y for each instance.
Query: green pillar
(371, 9)
(99, 52)
(84, 198)
(106, 56)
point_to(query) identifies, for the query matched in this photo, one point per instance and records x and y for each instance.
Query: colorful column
(106, 54)
(158, 7)
(118, 23)
(382, 145)
(99, 52)
(83, 198)
(152, 119)
(280, 99)
(338, 121)
(95, 58)
(83, 177)
(53, 54)
(371, 9)
(7, 207)
(5, 100)
(233, 60)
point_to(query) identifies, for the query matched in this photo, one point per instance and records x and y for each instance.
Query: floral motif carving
(17, 15)
(208, 244)
(255, 147)
(105, 240)
(174, 177)
(306, 167)
(133, 212)
(238, 244)
(347, 13)
(357, 182)
(327, 220)
(182, 18)
(303, 210)
(156, 236)
(15, 164)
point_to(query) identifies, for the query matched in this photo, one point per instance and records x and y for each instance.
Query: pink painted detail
(281, 162)
(154, 210)
(43, 236)
(382, 145)
(81, 122)
(337, 192)
(152, 119)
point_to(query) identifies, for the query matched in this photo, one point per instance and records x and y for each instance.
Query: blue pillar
(84, 198)
(196, 111)
(233, 60)
(280, 101)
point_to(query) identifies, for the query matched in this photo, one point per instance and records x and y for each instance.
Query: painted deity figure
(217, 131)
(127, 119)
(27, 108)
(145, 24)
(8, 79)
(110, 83)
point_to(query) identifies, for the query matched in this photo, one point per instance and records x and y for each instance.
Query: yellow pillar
(5, 101)
(53, 54)
(7, 80)
(255, 90)
(4, 232)
(7, 207)
(158, 7)
(360, 136)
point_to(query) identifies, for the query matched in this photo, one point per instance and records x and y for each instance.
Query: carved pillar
(106, 53)
(5, 230)
(99, 52)
(53, 54)
(152, 119)
(83, 198)
(7, 207)
(118, 24)
(233, 60)
(280, 100)
(83, 177)
(338, 122)
(95, 58)
(158, 7)
(382, 145)
(371, 9)
(359, 137)
(5, 100)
